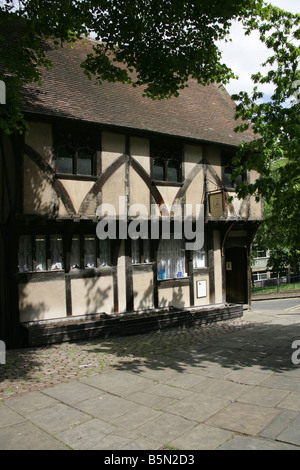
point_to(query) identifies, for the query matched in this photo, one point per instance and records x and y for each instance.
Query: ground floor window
(171, 258)
(140, 251)
(199, 258)
(260, 276)
(45, 252)
(89, 252)
(25, 254)
(56, 250)
(40, 253)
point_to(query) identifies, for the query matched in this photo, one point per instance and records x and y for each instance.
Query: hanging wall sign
(216, 204)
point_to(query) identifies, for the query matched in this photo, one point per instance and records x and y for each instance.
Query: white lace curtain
(171, 258)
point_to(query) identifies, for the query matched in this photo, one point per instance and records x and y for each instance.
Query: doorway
(236, 275)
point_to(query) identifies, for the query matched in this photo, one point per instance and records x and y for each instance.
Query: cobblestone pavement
(33, 369)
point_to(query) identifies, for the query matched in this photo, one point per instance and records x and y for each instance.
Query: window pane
(104, 250)
(146, 251)
(173, 171)
(199, 259)
(171, 259)
(262, 276)
(84, 162)
(158, 170)
(227, 177)
(40, 247)
(135, 251)
(89, 247)
(239, 180)
(25, 254)
(75, 253)
(65, 160)
(56, 251)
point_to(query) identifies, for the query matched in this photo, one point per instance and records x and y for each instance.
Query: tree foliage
(165, 43)
(276, 151)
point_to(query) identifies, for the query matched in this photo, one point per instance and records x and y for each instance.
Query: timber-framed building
(88, 145)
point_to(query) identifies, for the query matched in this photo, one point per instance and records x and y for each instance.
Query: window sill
(173, 282)
(146, 263)
(62, 176)
(167, 183)
(230, 189)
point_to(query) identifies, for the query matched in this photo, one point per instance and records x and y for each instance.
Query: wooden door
(236, 275)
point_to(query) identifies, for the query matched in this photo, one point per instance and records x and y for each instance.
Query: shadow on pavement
(265, 347)
(261, 346)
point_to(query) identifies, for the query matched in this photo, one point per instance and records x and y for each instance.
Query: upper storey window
(228, 182)
(166, 160)
(75, 152)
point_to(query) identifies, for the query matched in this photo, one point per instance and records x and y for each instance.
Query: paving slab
(157, 373)
(202, 437)
(86, 435)
(251, 443)
(27, 436)
(132, 419)
(263, 396)
(186, 381)
(292, 433)
(118, 382)
(30, 402)
(57, 418)
(106, 407)
(72, 392)
(292, 371)
(168, 391)
(291, 401)
(209, 369)
(243, 418)
(165, 428)
(282, 382)
(221, 388)
(278, 424)
(197, 407)
(113, 442)
(247, 376)
(156, 402)
(143, 444)
(9, 417)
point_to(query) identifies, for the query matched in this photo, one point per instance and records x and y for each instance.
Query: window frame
(85, 133)
(167, 152)
(66, 240)
(203, 252)
(82, 267)
(226, 162)
(142, 251)
(48, 254)
(186, 273)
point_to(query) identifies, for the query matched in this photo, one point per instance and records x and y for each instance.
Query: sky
(245, 54)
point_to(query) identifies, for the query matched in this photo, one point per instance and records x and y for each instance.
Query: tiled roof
(204, 113)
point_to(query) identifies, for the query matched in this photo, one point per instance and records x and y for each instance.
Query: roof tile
(200, 112)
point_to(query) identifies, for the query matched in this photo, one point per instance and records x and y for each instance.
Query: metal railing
(276, 284)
